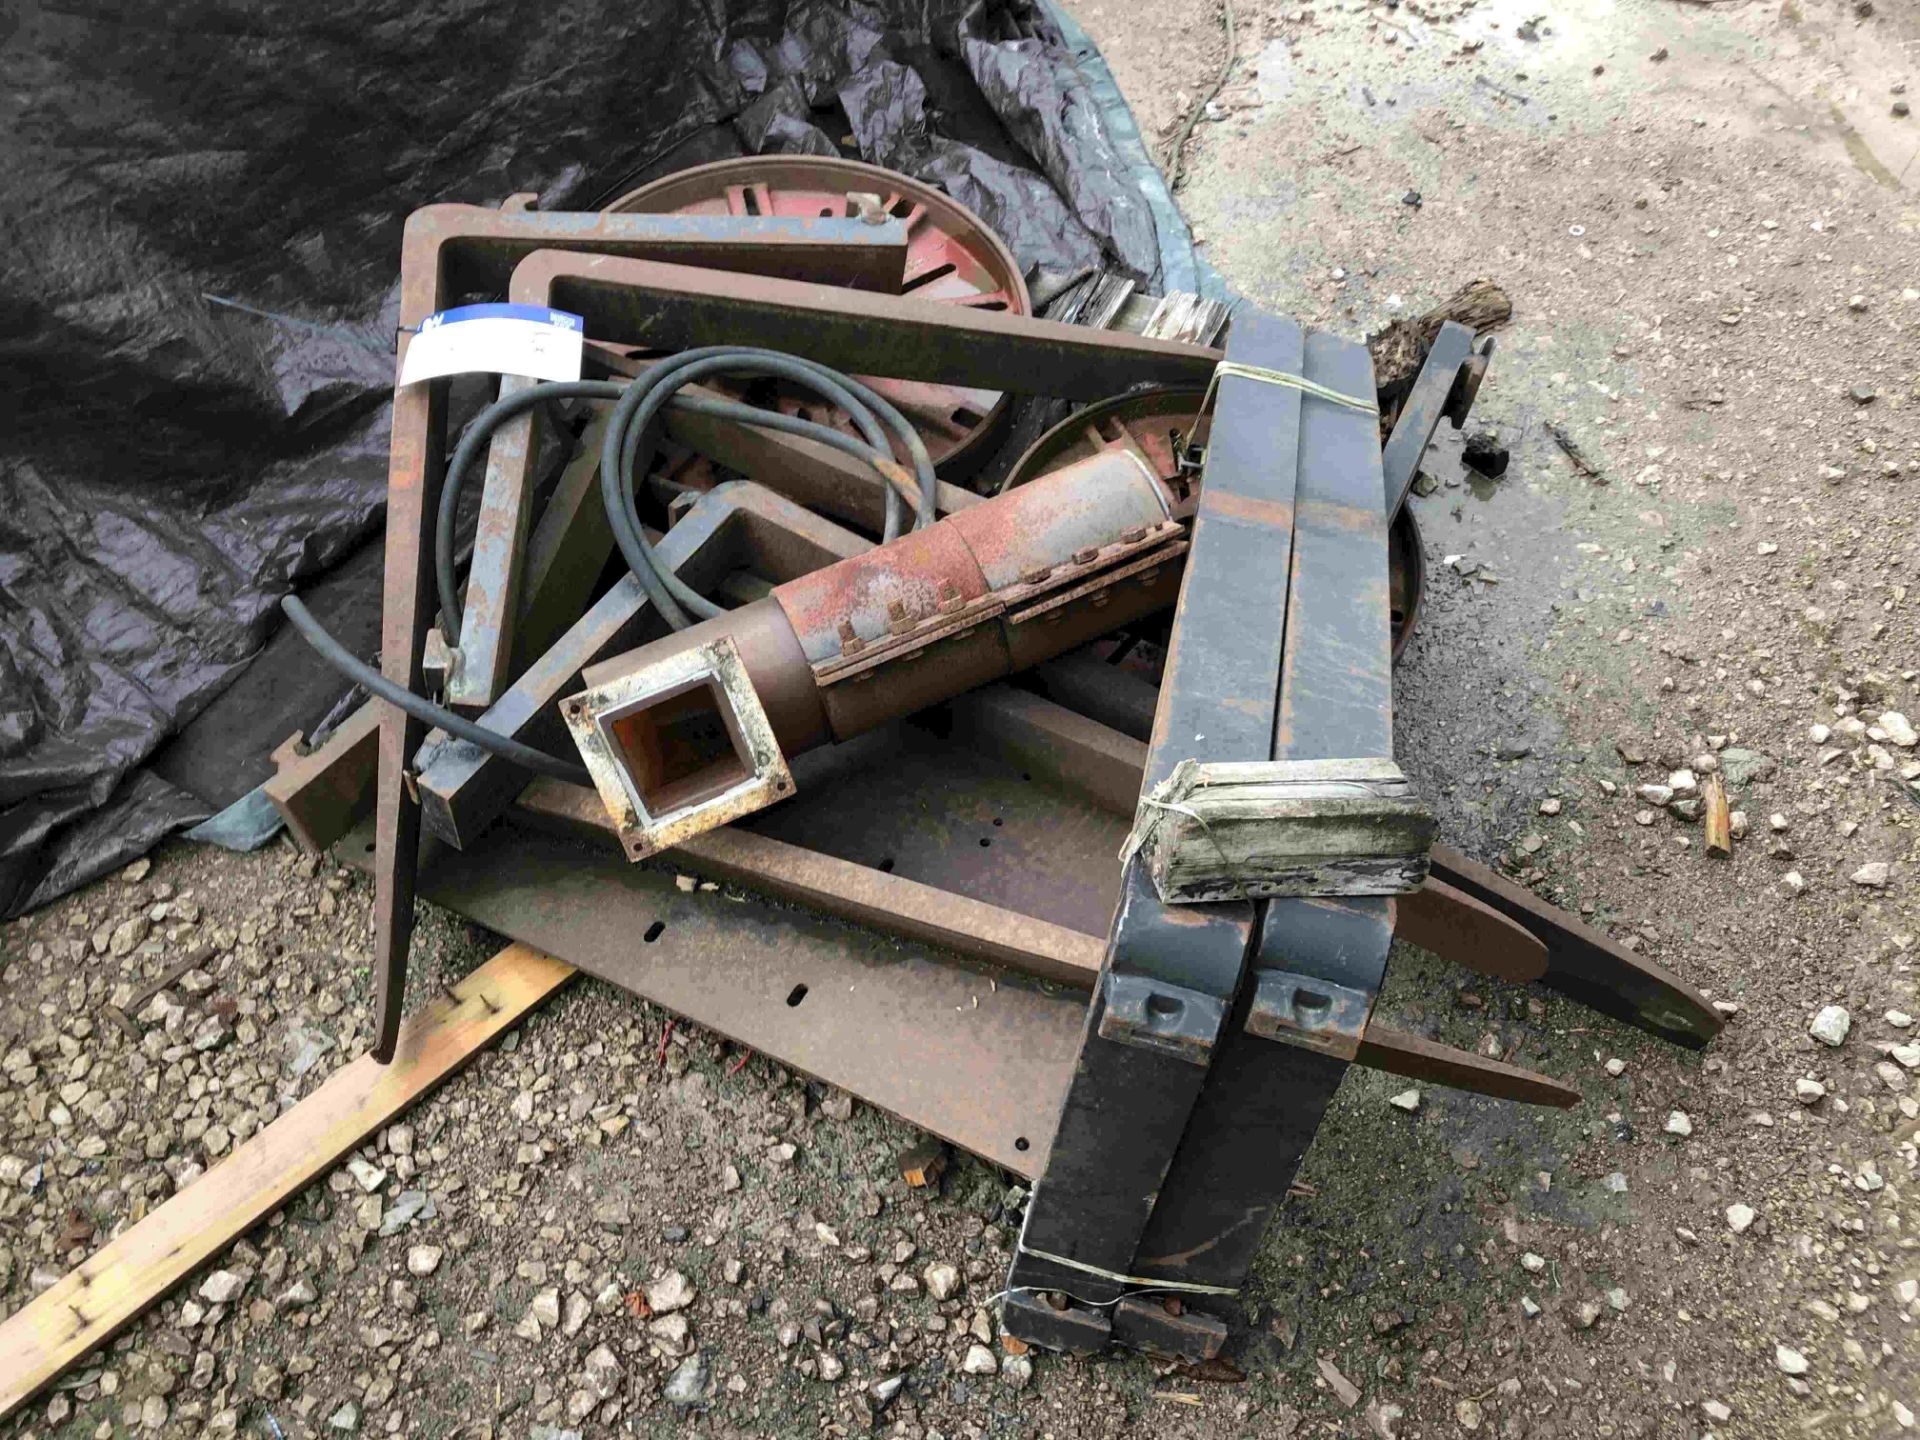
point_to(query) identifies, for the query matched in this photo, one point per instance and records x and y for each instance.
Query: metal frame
(1216, 1033)
(449, 250)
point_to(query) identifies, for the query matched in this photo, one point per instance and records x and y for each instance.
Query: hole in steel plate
(998, 821)
(886, 865)
(927, 277)
(984, 842)
(796, 995)
(1164, 1005)
(901, 208)
(750, 201)
(654, 931)
(1020, 1143)
(826, 212)
(966, 418)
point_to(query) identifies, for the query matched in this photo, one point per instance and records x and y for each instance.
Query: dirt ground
(1705, 215)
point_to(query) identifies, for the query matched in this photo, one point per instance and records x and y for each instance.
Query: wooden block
(1280, 828)
(923, 1165)
(88, 1306)
(1719, 820)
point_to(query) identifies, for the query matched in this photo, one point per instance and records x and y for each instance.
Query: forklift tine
(1399, 1053)
(1585, 965)
(1453, 925)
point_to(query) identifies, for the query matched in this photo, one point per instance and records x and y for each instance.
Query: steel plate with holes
(952, 257)
(977, 1057)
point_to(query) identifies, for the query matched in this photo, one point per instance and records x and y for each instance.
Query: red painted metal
(952, 257)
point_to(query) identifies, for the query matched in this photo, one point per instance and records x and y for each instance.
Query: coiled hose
(631, 437)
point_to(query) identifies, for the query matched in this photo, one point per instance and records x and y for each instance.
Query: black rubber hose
(871, 414)
(631, 429)
(423, 709)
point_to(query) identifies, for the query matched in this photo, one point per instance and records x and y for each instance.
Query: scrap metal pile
(739, 601)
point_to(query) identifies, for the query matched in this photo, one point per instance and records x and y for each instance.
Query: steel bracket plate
(711, 674)
(1307, 1011)
(1156, 1015)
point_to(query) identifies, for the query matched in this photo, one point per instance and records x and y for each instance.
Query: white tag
(507, 339)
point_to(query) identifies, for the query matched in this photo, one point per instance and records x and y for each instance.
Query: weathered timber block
(1265, 829)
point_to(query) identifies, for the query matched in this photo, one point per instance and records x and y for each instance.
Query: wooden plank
(88, 1306)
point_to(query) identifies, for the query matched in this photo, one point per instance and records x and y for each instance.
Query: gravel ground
(602, 1227)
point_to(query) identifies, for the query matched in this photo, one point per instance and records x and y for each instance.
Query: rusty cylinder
(924, 618)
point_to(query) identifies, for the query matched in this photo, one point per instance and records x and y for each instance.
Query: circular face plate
(952, 258)
(1157, 426)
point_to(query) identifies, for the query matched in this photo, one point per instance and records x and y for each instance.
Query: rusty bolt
(1086, 556)
(1133, 534)
(1034, 577)
(1149, 575)
(898, 620)
(949, 596)
(1100, 598)
(850, 641)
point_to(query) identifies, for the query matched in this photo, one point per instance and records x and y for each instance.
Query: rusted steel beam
(853, 892)
(1399, 1053)
(815, 475)
(1584, 964)
(835, 253)
(1032, 946)
(672, 307)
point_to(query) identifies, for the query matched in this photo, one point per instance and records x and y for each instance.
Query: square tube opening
(681, 747)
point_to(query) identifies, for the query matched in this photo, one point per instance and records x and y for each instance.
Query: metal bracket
(1308, 1012)
(1157, 1016)
(678, 746)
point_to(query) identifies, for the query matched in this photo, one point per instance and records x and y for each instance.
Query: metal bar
(853, 892)
(1457, 927)
(1418, 1058)
(1420, 414)
(671, 307)
(1172, 972)
(927, 913)
(1587, 966)
(476, 249)
(567, 551)
(815, 475)
(464, 788)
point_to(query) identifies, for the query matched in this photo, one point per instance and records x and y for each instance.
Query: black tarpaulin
(203, 206)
